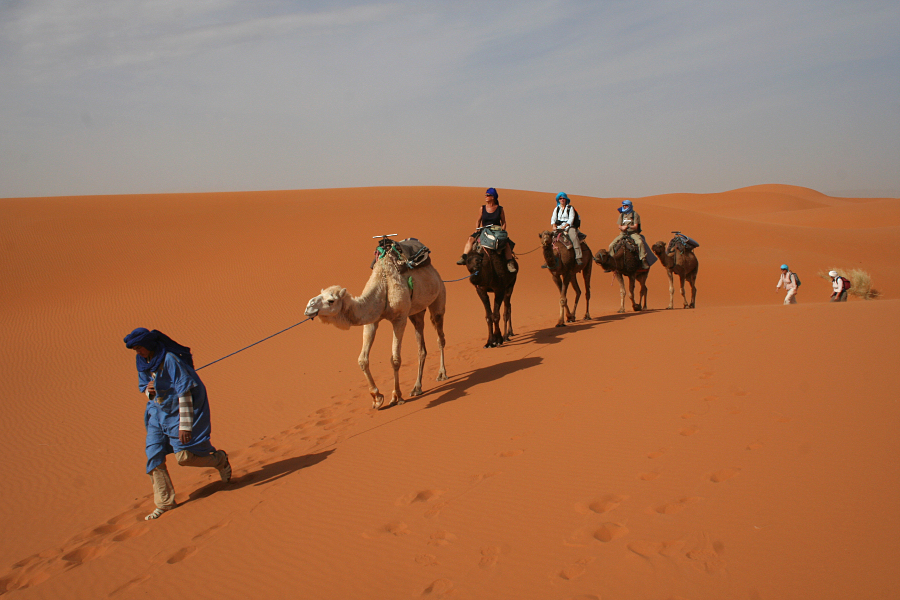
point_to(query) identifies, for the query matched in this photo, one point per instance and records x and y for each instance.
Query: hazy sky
(603, 98)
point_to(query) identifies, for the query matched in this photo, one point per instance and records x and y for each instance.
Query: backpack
(796, 279)
(576, 222)
(846, 284)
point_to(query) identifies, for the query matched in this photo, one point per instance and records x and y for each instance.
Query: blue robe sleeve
(143, 380)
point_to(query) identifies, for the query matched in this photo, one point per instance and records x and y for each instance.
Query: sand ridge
(695, 454)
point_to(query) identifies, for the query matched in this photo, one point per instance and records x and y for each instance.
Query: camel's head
(604, 259)
(546, 238)
(327, 304)
(659, 248)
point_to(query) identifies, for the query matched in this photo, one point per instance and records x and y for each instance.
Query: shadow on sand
(265, 474)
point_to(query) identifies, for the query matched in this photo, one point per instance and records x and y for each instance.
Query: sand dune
(740, 450)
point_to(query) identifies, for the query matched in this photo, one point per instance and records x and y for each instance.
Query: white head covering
(832, 273)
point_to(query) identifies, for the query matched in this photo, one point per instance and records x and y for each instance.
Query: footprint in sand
(611, 531)
(576, 569)
(648, 476)
(435, 510)
(441, 538)
(490, 556)
(688, 431)
(84, 554)
(397, 528)
(423, 496)
(676, 507)
(606, 503)
(209, 531)
(657, 453)
(131, 533)
(427, 560)
(182, 554)
(723, 475)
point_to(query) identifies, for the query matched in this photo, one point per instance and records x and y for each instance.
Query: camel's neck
(549, 256)
(369, 306)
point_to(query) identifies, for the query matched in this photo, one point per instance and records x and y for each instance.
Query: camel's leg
(507, 315)
(399, 328)
(634, 306)
(692, 279)
(577, 289)
(418, 321)
(586, 275)
(564, 293)
(642, 299)
(671, 289)
(437, 320)
(681, 279)
(486, 301)
(621, 292)
(562, 301)
(498, 302)
(369, 337)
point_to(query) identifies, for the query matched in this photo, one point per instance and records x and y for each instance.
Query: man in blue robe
(177, 413)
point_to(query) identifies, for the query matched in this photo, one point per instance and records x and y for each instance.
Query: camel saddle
(684, 243)
(411, 253)
(563, 238)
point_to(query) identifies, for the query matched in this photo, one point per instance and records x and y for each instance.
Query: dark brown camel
(684, 263)
(489, 274)
(627, 263)
(561, 263)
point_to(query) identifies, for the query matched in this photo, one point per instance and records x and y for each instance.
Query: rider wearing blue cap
(563, 218)
(630, 225)
(789, 280)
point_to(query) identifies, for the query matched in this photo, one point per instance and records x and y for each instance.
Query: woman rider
(491, 214)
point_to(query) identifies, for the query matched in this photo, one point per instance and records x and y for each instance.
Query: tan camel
(560, 261)
(684, 263)
(392, 296)
(626, 264)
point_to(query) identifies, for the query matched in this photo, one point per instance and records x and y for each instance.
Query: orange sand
(740, 450)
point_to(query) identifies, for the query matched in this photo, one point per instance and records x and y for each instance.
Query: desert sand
(744, 449)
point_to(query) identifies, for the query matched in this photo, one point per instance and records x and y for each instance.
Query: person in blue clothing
(177, 413)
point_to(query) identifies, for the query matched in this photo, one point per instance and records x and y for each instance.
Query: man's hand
(184, 437)
(151, 389)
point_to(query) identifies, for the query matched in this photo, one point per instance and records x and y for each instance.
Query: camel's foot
(377, 400)
(397, 399)
(670, 307)
(621, 310)
(570, 319)
(637, 308)
(442, 376)
(587, 316)
(560, 324)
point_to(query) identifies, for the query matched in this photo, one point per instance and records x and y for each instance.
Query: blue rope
(461, 278)
(255, 343)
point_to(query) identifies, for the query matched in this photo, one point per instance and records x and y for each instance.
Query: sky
(605, 98)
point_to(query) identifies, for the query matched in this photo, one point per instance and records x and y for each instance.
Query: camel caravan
(404, 283)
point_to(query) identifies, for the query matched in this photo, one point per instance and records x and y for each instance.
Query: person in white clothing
(839, 287)
(563, 219)
(789, 281)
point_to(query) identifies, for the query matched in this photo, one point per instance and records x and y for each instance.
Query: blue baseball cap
(785, 267)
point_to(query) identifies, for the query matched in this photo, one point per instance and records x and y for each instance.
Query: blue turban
(560, 196)
(158, 343)
(626, 207)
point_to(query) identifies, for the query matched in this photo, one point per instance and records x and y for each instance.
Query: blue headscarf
(560, 196)
(491, 192)
(626, 207)
(158, 343)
